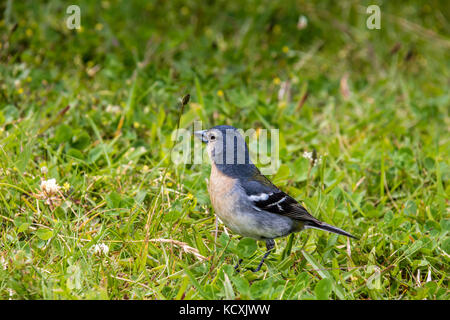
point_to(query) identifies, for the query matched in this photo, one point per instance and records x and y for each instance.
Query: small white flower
(50, 187)
(318, 161)
(3, 263)
(113, 109)
(50, 192)
(302, 22)
(307, 155)
(99, 249)
(44, 170)
(284, 91)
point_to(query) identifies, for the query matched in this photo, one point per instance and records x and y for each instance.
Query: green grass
(377, 111)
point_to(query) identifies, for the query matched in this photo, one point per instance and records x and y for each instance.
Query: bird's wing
(264, 195)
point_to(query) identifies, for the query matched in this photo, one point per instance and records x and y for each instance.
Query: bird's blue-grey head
(227, 150)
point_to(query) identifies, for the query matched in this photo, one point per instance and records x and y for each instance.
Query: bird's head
(225, 146)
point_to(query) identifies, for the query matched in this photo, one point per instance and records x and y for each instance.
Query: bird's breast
(221, 189)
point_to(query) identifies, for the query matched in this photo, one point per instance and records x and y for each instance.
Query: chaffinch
(245, 200)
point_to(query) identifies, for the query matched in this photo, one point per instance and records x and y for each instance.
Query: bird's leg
(270, 244)
(236, 267)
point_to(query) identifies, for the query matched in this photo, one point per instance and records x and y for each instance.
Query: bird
(245, 200)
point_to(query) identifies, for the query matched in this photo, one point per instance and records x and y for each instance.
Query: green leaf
(140, 196)
(75, 277)
(288, 248)
(44, 234)
(228, 288)
(63, 133)
(10, 113)
(324, 274)
(113, 200)
(300, 168)
(445, 224)
(260, 289)
(246, 247)
(323, 289)
(81, 141)
(282, 175)
(202, 248)
(24, 157)
(429, 163)
(410, 250)
(242, 285)
(75, 153)
(95, 153)
(446, 245)
(196, 284)
(23, 227)
(410, 208)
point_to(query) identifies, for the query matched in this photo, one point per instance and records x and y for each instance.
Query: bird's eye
(212, 138)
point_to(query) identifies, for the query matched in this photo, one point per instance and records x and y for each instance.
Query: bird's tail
(327, 227)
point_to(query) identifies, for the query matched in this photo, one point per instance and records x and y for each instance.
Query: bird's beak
(201, 135)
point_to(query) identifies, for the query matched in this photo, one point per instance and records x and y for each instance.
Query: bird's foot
(236, 267)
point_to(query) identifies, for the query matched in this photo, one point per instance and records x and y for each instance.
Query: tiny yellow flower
(29, 32)
(66, 186)
(276, 81)
(190, 196)
(282, 104)
(169, 184)
(20, 90)
(28, 79)
(99, 27)
(105, 5)
(285, 49)
(184, 11)
(136, 125)
(220, 93)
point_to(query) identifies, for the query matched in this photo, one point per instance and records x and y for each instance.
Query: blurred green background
(373, 103)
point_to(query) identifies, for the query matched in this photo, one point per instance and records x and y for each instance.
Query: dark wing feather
(276, 201)
(283, 204)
